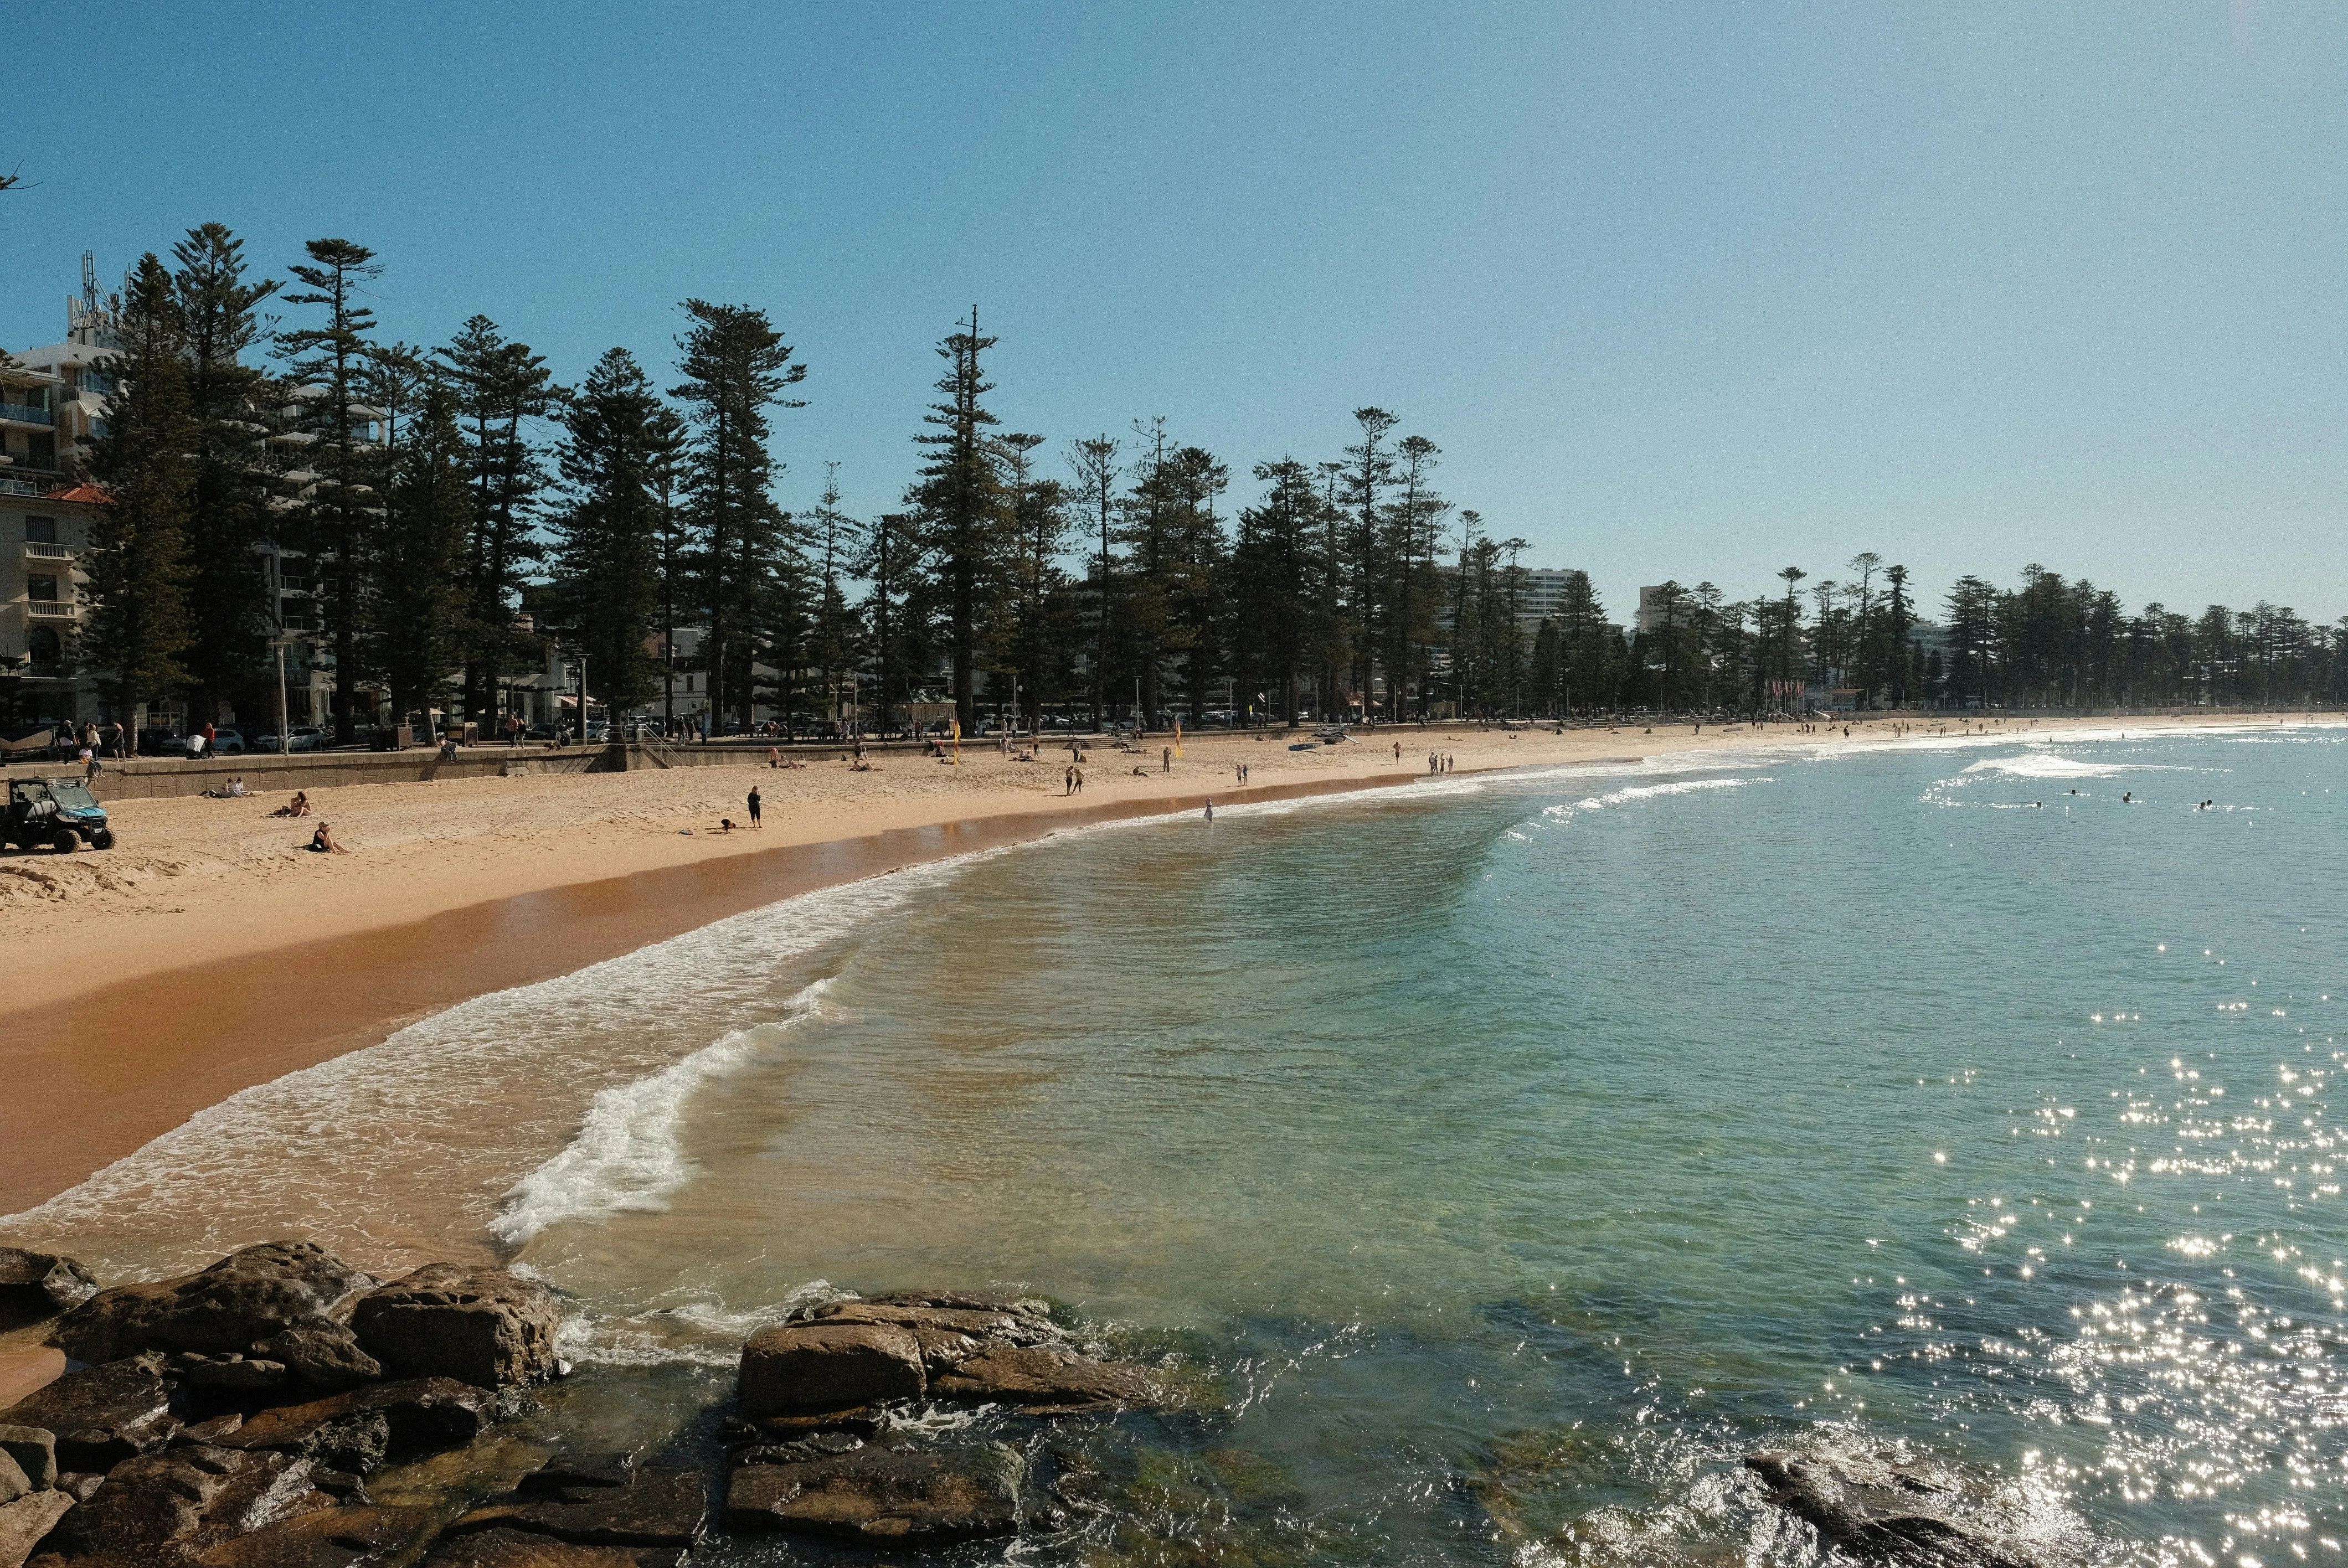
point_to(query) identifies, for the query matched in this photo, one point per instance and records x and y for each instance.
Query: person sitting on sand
(322, 841)
(298, 806)
(725, 825)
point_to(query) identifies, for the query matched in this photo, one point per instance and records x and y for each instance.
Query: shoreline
(103, 1065)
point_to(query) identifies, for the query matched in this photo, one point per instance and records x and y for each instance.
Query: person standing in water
(1211, 808)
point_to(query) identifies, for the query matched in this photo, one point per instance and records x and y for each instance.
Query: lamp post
(283, 743)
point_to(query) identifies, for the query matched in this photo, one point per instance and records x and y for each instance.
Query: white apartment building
(52, 400)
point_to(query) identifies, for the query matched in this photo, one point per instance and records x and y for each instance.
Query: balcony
(26, 413)
(39, 552)
(51, 609)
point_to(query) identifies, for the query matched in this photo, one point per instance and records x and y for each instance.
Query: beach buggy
(59, 812)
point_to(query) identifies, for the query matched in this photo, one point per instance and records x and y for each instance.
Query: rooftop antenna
(87, 319)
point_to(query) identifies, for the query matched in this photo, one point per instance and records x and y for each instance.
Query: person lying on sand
(322, 841)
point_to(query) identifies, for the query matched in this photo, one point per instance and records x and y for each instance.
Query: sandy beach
(208, 952)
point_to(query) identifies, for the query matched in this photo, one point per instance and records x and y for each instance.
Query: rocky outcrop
(599, 1500)
(807, 1366)
(30, 1503)
(949, 1328)
(33, 1452)
(26, 1520)
(897, 1495)
(322, 1354)
(650, 1508)
(356, 1431)
(36, 1285)
(1879, 1511)
(104, 1415)
(1047, 1381)
(354, 1536)
(249, 1296)
(521, 1549)
(481, 1326)
(167, 1510)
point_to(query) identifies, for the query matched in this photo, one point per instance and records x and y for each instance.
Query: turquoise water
(1510, 1156)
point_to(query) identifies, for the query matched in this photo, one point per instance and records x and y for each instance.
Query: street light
(280, 643)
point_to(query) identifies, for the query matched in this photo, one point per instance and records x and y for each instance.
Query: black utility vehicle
(59, 812)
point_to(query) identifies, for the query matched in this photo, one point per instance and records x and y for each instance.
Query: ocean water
(1504, 1157)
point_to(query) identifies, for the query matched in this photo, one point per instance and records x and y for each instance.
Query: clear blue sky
(1689, 292)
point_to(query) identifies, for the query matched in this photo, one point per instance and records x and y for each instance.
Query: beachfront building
(52, 400)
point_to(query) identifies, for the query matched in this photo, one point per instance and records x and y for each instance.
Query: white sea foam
(1621, 797)
(700, 1332)
(2044, 765)
(628, 1154)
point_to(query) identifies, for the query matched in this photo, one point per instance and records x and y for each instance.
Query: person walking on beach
(1166, 760)
(1068, 780)
(754, 805)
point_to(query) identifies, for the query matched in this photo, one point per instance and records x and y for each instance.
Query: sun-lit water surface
(1517, 1153)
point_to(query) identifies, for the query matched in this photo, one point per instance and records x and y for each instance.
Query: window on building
(41, 451)
(41, 530)
(45, 650)
(43, 590)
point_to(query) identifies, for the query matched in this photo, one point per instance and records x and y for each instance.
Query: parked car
(301, 738)
(227, 742)
(539, 732)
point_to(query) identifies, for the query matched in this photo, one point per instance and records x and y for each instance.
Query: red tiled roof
(85, 495)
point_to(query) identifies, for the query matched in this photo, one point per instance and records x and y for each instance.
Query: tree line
(437, 494)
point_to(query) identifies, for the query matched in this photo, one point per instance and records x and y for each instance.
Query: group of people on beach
(1440, 762)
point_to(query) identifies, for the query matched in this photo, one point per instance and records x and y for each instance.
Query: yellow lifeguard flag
(1178, 735)
(957, 740)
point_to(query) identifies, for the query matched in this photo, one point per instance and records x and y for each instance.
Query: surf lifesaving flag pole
(1178, 735)
(957, 740)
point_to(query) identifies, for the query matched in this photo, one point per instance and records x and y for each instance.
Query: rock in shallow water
(572, 1467)
(803, 1367)
(1041, 1380)
(351, 1537)
(520, 1549)
(658, 1508)
(481, 1326)
(1880, 1511)
(882, 1495)
(248, 1296)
